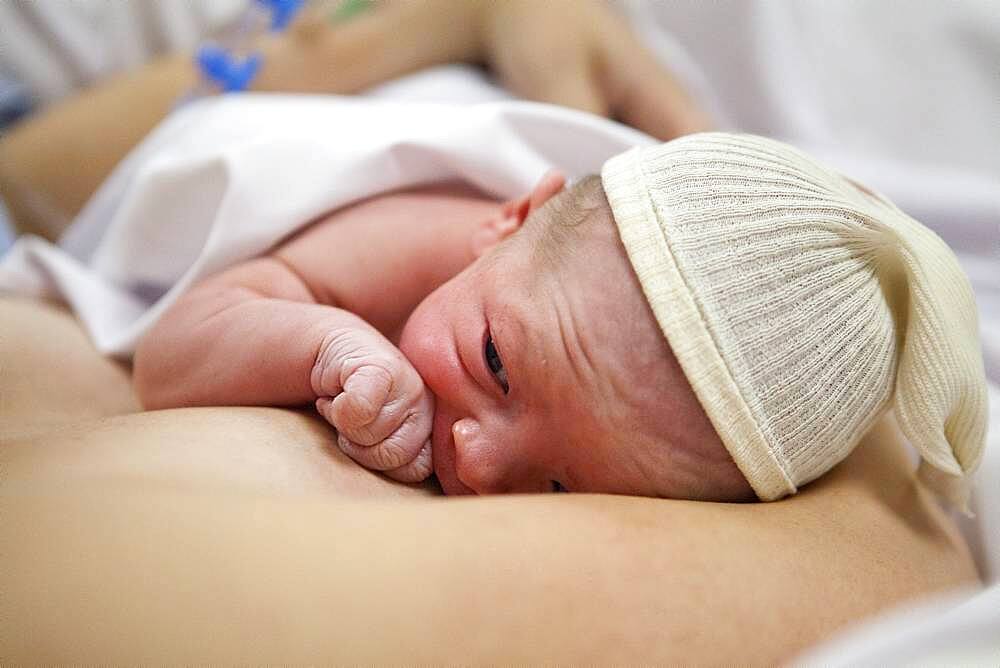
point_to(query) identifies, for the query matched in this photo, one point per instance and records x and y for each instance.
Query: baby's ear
(493, 231)
(550, 185)
(514, 212)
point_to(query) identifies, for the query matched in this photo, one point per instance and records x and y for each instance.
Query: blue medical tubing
(225, 70)
(232, 69)
(282, 12)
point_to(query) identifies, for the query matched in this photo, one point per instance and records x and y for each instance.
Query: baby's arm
(251, 334)
(312, 322)
(254, 335)
(247, 336)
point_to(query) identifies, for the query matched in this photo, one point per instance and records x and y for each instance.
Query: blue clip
(282, 12)
(231, 73)
(220, 67)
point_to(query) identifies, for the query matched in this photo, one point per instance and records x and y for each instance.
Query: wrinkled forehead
(573, 210)
(555, 234)
(569, 256)
(573, 234)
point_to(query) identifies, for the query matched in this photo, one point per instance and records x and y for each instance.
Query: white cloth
(228, 177)
(50, 49)
(957, 630)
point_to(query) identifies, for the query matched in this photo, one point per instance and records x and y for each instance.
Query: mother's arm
(209, 535)
(570, 52)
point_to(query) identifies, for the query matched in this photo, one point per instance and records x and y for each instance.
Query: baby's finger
(399, 449)
(359, 411)
(323, 407)
(418, 469)
(406, 395)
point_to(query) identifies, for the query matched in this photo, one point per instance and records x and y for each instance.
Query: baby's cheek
(430, 339)
(422, 340)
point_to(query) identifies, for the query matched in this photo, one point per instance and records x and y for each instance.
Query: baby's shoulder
(392, 238)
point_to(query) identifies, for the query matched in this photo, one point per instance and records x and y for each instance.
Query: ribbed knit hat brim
(799, 306)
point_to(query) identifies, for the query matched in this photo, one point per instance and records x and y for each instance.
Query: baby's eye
(495, 364)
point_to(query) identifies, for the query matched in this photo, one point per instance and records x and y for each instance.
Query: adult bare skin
(208, 535)
(570, 52)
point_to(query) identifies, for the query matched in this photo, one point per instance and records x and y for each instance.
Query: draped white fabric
(225, 179)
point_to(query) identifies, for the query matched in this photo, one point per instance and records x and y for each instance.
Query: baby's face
(549, 373)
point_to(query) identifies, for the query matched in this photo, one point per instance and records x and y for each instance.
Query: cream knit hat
(800, 306)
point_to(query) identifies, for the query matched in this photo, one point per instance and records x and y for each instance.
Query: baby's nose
(487, 465)
(470, 466)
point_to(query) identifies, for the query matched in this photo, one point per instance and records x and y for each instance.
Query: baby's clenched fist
(377, 401)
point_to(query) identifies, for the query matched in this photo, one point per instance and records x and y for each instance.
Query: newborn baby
(716, 318)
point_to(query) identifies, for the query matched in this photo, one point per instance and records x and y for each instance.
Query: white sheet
(959, 629)
(225, 179)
